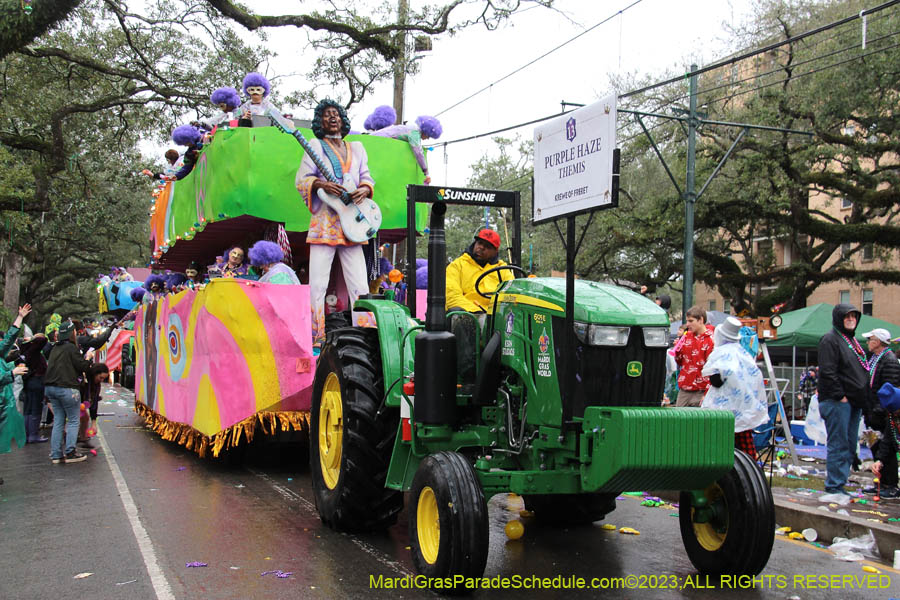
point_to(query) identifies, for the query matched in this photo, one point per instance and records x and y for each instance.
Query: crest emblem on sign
(570, 129)
(544, 341)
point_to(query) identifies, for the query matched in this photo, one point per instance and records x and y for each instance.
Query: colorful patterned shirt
(691, 356)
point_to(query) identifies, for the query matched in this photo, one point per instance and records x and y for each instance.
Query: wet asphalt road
(134, 515)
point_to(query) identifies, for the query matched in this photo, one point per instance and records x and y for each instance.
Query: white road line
(157, 578)
(375, 553)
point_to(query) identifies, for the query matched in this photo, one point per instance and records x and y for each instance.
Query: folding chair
(764, 440)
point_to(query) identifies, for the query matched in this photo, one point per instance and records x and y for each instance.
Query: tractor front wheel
(350, 444)
(735, 536)
(448, 518)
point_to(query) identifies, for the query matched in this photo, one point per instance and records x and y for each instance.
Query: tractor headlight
(581, 331)
(607, 335)
(656, 337)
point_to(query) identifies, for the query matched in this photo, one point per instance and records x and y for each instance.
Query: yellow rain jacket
(461, 276)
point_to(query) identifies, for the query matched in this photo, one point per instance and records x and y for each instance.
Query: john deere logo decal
(634, 368)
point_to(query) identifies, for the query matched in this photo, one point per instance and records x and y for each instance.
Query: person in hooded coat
(843, 388)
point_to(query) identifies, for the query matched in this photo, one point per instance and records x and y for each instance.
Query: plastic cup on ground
(810, 534)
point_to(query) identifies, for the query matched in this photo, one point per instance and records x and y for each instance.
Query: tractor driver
(462, 273)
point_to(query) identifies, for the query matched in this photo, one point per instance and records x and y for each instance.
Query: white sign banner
(573, 161)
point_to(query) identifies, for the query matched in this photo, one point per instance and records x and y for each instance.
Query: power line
(764, 49)
(716, 65)
(782, 67)
(804, 74)
(544, 55)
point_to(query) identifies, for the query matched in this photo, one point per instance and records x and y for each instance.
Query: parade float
(114, 293)
(220, 362)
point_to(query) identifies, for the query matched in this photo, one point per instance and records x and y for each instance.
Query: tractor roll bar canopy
(429, 194)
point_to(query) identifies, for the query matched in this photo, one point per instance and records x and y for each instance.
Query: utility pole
(400, 64)
(690, 198)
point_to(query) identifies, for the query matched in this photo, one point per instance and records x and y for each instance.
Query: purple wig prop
(137, 294)
(265, 253)
(255, 79)
(384, 266)
(429, 126)
(422, 278)
(228, 95)
(174, 280)
(155, 279)
(382, 117)
(186, 135)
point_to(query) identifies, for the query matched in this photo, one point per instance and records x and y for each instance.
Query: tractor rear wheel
(350, 443)
(570, 510)
(737, 539)
(448, 519)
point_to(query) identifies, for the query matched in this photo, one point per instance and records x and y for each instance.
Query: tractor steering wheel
(494, 270)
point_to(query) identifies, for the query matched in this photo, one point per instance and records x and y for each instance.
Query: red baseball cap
(490, 236)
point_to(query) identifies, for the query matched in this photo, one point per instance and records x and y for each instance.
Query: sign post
(576, 166)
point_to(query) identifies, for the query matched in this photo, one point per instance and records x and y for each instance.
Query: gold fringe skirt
(268, 421)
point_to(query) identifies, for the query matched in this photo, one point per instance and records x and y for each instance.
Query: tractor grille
(600, 372)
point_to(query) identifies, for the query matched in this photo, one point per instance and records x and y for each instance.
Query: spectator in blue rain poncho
(736, 384)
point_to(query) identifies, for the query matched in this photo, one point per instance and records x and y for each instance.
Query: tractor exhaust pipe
(435, 362)
(436, 312)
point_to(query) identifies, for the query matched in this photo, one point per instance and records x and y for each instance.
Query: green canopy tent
(801, 331)
(804, 328)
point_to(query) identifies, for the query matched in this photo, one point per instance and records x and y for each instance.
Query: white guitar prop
(360, 222)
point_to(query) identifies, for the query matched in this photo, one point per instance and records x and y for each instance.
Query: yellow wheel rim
(711, 535)
(428, 525)
(331, 430)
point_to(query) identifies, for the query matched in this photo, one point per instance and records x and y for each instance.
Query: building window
(867, 302)
(868, 252)
(712, 304)
(726, 306)
(845, 250)
(845, 203)
(844, 297)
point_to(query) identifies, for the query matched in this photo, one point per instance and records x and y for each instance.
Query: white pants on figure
(353, 264)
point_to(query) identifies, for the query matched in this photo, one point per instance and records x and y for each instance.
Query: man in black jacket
(883, 368)
(843, 392)
(64, 370)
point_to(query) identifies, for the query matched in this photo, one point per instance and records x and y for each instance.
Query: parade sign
(573, 161)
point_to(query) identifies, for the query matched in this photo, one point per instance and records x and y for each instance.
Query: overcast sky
(647, 39)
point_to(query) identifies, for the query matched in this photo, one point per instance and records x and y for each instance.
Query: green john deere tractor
(390, 414)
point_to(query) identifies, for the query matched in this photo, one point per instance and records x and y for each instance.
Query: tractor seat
(488, 379)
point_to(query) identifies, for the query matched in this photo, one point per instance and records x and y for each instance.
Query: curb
(827, 525)
(831, 525)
